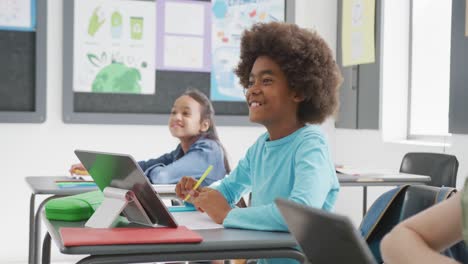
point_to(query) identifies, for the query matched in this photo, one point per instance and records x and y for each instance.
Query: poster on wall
(183, 35)
(114, 46)
(229, 20)
(18, 15)
(357, 36)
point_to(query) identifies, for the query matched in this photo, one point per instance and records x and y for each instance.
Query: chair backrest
(395, 206)
(421, 197)
(442, 168)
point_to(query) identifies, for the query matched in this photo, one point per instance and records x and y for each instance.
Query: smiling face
(271, 102)
(185, 120)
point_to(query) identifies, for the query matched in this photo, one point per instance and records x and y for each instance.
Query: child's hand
(185, 186)
(78, 169)
(213, 203)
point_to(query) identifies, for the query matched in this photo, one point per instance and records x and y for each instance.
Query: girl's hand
(213, 203)
(78, 169)
(185, 186)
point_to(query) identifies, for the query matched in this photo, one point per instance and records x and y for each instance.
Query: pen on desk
(200, 181)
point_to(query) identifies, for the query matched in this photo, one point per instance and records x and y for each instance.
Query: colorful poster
(230, 18)
(183, 35)
(358, 37)
(18, 15)
(114, 46)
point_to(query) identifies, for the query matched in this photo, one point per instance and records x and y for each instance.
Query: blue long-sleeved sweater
(171, 167)
(297, 167)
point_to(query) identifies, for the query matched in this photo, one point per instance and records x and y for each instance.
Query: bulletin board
(23, 53)
(103, 100)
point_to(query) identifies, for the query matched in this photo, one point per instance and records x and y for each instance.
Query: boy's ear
(298, 97)
(205, 125)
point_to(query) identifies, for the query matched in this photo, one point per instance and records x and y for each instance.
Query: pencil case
(75, 207)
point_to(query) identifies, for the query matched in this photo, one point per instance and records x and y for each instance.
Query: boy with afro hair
(291, 85)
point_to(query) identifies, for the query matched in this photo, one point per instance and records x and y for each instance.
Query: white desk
(379, 179)
(47, 186)
(217, 243)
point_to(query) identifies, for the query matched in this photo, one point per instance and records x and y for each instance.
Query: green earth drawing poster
(114, 46)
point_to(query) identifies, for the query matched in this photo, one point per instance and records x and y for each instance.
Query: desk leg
(31, 228)
(37, 231)
(46, 249)
(364, 200)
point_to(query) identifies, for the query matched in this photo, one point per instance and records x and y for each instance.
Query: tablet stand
(115, 201)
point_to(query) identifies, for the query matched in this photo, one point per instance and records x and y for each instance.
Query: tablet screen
(122, 171)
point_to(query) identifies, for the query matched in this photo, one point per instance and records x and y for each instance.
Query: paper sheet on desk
(195, 220)
(362, 171)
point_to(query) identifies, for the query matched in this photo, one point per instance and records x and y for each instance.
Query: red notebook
(77, 236)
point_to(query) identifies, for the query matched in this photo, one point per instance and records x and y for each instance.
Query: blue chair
(399, 204)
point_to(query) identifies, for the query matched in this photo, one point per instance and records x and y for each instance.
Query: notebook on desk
(76, 236)
(72, 184)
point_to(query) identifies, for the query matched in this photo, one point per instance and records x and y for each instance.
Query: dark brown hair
(207, 113)
(305, 59)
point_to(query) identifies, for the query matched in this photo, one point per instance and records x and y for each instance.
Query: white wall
(47, 149)
(395, 69)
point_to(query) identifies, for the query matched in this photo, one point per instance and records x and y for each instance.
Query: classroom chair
(399, 204)
(442, 168)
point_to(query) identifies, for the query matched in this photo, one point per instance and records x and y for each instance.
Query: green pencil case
(75, 207)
